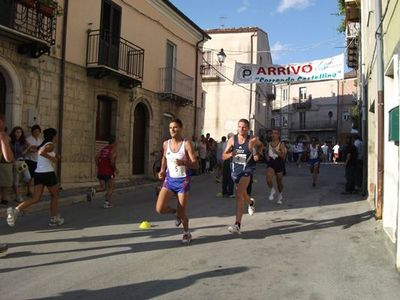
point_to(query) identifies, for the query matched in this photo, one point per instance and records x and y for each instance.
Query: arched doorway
(2, 94)
(140, 127)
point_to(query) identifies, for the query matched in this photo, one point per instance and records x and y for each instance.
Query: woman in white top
(177, 160)
(44, 176)
(31, 157)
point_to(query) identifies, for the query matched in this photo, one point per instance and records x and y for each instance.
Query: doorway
(2, 94)
(140, 128)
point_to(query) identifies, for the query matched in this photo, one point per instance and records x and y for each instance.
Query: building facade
(103, 68)
(321, 109)
(225, 103)
(374, 48)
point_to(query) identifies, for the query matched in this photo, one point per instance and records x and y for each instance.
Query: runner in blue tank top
(244, 152)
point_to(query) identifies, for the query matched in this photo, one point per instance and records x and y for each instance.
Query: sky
(298, 30)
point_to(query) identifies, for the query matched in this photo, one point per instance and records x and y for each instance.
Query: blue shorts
(313, 161)
(236, 177)
(177, 185)
(104, 177)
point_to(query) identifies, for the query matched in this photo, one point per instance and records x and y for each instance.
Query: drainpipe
(196, 79)
(337, 111)
(251, 85)
(62, 88)
(379, 108)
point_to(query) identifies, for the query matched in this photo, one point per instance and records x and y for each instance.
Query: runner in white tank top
(44, 177)
(314, 152)
(178, 158)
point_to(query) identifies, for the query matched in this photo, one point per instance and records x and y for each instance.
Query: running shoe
(90, 195)
(56, 221)
(271, 194)
(178, 221)
(107, 204)
(187, 237)
(12, 215)
(235, 229)
(280, 199)
(3, 250)
(232, 196)
(252, 208)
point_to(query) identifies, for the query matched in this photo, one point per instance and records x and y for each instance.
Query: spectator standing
(20, 148)
(34, 140)
(358, 143)
(350, 154)
(324, 149)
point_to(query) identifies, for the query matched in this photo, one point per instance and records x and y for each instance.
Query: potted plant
(49, 8)
(28, 3)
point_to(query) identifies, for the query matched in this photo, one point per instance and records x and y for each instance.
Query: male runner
(6, 155)
(275, 155)
(244, 151)
(314, 152)
(178, 158)
(106, 170)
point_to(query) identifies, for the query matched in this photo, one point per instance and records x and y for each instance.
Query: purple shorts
(177, 185)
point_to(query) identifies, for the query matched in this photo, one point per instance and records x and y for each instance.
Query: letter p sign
(246, 73)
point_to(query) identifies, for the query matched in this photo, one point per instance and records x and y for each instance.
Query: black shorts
(48, 179)
(105, 177)
(275, 164)
(31, 166)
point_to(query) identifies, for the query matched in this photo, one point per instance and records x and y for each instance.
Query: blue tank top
(243, 161)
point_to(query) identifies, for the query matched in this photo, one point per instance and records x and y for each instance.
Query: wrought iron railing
(177, 83)
(212, 71)
(302, 105)
(26, 17)
(104, 49)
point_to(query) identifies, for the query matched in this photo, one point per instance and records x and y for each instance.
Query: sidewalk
(73, 194)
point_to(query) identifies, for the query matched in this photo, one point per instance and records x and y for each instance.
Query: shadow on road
(148, 289)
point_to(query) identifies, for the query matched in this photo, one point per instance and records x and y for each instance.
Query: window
(303, 93)
(208, 57)
(302, 119)
(106, 119)
(346, 116)
(170, 67)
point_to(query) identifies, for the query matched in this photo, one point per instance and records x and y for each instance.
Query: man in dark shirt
(350, 156)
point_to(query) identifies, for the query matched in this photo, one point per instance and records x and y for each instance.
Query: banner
(325, 69)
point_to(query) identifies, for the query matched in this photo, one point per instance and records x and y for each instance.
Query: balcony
(29, 24)
(212, 72)
(313, 126)
(111, 55)
(302, 105)
(176, 86)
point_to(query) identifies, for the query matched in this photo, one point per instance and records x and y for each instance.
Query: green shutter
(394, 124)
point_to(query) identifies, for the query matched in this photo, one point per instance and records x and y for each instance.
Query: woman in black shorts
(44, 176)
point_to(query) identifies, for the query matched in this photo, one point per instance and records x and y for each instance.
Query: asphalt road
(318, 245)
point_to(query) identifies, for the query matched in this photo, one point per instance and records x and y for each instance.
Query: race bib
(240, 159)
(177, 171)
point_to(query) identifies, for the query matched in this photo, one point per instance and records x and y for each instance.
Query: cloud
(245, 5)
(278, 49)
(297, 4)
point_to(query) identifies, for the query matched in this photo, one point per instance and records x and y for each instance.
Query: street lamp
(221, 56)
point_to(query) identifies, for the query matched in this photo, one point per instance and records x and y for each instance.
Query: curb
(72, 200)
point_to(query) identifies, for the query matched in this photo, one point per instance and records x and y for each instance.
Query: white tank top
(174, 170)
(271, 153)
(313, 152)
(45, 165)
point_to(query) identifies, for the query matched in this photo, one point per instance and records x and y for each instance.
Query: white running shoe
(178, 221)
(234, 229)
(271, 194)
(186, 239)
(90, 195)
(280, 199)
(107, 204)
(56, 221)
(252, 208)
(12, 215)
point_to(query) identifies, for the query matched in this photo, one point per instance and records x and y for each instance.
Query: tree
(341, 12)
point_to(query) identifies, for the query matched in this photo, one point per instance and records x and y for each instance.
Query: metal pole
(379, 108)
